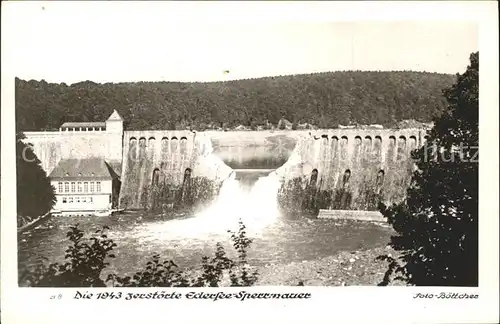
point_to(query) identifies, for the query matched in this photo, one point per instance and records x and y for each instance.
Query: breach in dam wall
(267, 149)
(349, 168)
(164, 167)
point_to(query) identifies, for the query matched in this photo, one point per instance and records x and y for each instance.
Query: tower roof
(115, 116)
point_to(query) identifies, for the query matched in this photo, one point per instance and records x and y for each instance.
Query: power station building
(87, 185)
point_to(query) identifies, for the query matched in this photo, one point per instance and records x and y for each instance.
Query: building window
(79, 186)
(66, 187)
(85, 187)
(73, 186)
(77, 199)
(91, 199)
(98, 186)
(70, 200)
(64, 200)
(92, 186)
(59, 187)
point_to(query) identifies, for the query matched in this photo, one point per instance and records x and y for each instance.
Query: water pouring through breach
(255, 205)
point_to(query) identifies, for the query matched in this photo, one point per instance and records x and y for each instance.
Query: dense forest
(319, 99)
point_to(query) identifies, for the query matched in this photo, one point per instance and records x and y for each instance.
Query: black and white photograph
(157, 150)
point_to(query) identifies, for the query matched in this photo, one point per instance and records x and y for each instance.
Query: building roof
(91, 168)
(115, 116)
(84, 124)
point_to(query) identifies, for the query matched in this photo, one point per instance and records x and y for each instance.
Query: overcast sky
(154, 42)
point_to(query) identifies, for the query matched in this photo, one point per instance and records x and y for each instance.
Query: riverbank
(27, 225)
(346, 268)
(356, 268)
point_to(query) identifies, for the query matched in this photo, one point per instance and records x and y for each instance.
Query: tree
(332, 98)
(437, 224)
(35, 194)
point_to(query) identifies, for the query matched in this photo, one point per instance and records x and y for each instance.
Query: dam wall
(47, 148)
(51, 147)
(352, 168)
(158, 165)
(345, 168)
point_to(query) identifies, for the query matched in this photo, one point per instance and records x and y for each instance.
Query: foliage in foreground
(35, 194)
(86, 261)
(437, 225)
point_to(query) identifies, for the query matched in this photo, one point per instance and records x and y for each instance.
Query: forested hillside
(321, 99)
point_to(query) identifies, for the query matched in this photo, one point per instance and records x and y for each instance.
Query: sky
(75, 42)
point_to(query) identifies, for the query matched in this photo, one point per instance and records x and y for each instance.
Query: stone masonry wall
(160, 158)
(362, 162)
(51, 147)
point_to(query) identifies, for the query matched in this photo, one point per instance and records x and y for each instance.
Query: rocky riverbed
(357, 268)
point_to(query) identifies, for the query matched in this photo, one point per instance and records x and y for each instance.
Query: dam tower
(114, 130)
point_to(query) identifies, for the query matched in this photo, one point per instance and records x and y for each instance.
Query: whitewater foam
(257, 208)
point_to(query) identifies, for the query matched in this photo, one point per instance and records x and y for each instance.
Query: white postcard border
(344, 304)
